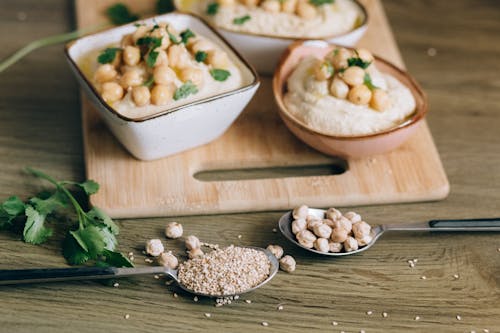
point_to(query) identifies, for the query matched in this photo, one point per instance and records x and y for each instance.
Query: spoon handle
(486, 224)
(39, 275)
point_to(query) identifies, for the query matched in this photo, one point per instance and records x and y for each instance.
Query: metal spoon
(488, 224)
(42, 275)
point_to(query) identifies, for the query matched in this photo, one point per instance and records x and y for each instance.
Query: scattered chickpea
(287, 264)
(322, 230)
(192, 74)
(192, 242)
(306, 10)
(195, 253)
(141, 95)
(154, 247)
(174, 230)
(353, 76)
(162, 94)
(321, 244)
(339, 88)
(360, 95)
(276, 250)
(298, 225)
(380, 100)
(131, 55)
(167, 259)
(111, 92)
(271, 6)
(300, 212)
(350, 244)
(105, 73)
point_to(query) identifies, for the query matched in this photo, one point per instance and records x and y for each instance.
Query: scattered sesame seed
(148, 260)
(143, 252)
(417, 317)
(195, 298)
(236, 297)
(265, 323)
(498, 250)
(280, 307)
(456, 276)
(127, 316)
(384, 314)
(412, 264)
(131, 258)
(239, 236)
(157, 276)
(486, 330)
(175, 295)
(218, 305)
(131, 254)
(423, 277)
(431, 52)
(369, 313)
(334, 323)
(362, 331)
(208, 315)
(116, 284)
(169, 282)
(472, 331)
(415, 260)
(275, 230)
(248, 301)
(342, 331)
(459, 317)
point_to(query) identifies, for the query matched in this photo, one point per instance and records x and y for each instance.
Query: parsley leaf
(212, 8)
(200, 56)
(186, 34)
(220, 74)
(120, 14)
(358, 62)
(318, 3)
(108, 55)
(34, 230)
(151, 58)
(185, 90)
(164, 6)
(241, 20)
(368, 82)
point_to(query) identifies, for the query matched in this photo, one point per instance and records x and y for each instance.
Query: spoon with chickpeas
(329, 232)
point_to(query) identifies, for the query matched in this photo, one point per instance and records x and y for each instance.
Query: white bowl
(172, 130)
(264, 51)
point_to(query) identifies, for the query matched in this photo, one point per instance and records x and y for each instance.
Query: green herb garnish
(150, 42)
(185, 90)
(186, 34)
(368, 82)
(94, 236)
(318, 3)
(149, 82)
(151, 58)
(200, 56)
(358, 62)
(172, 37)
(165, 6)
(241, 20)
(108, 55)
(120, 14)
(220, 74)
(212, 8)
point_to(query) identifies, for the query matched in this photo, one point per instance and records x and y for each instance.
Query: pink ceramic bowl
(345, 146)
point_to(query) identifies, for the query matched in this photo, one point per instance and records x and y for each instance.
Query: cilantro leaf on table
(98, 216)
(48, 205)
(185, 90)
(220, 74)
(89, 186)
(116, 259)
(35, 231)
(72, 252)
(9, 210)
(120, 14)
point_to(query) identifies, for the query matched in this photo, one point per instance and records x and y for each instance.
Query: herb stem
(51, 40)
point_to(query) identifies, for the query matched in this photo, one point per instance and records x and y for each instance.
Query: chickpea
(322, 230)
(351, 244)
(345, 223)
(271, 6)
(360, 95)
(365, 240)
(251, 3)
(361, 229)
(300, 212)
(335, 247)
(339, 235)
(131, 78)
(174, 230)
(321, 244)
(298, 225)
(353, 217)
(154, 247)
(354, 76)
(339, 88)
(201, 45)
(127, 40)
(105, 73)
(333, 214)
(313, 223)
(380, 100)
(306, 235)
(192, 242)
(111, 92)
(162, 94)
(192, 74)
(288, 264)
(164, 75)
(141, 95)
(161, 34)
(305, 243)
(305, 10)
(276, 250)
(323, 70)
(218, 59)
(226, 2)
(139, 33)
(365, 55)
(178, 56)
(131, 55)
(339, 57)
(195, 253)
(161, 59)
(167, 259)
(289, 6)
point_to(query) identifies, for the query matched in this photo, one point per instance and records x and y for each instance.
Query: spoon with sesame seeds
(42, 275)
(465, 225)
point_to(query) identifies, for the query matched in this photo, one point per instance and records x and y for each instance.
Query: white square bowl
(171, 130)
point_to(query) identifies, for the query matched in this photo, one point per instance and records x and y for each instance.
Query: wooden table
(452, 48)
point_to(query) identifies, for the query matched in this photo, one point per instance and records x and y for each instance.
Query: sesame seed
(116, 284)
(131, 254)
(275, 230)
(148, 260)
(334, 323)
(362, 331)
(195, 298)
(218, 305)
(236, 297)
(456, 276)
(248, 301)
(280, 307)
(342, 331)
(175, 295)
(459, 317)
(127, 316)
(472, 331)
(423, 277)
(412, 264)
(417, 317)
(131, 258)
(384, 314)
(265, 323)
(239, 236)
(486, 330)
(157, 276)
(415, 260)
(498, 250)
(369, 313)
(431, 52)
(208, 315)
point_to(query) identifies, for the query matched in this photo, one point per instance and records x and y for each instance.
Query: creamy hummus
(308, 101)
(333, 19)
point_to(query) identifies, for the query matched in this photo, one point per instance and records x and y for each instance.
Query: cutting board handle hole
(337, 168)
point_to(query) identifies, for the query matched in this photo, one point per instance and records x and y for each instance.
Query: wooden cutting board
(258, 139)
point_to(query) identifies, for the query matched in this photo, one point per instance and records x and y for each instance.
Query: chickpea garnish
(162, 94)
(360, 95)
(131, 55)
(141, 95)
(192, 74)
(306, 10)
(353, 76)
(339, 57)
(271, 6)
(339, 88)
(218, 59)
(226, 2)
(289, 6)
(323, 70)
(380, 100)
(178, 56)
(111, 92)
(251, 3)
(164, 75)
(105, 73)
(131, 78)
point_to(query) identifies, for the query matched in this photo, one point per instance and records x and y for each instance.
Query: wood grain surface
(40, 126)
(258, 139)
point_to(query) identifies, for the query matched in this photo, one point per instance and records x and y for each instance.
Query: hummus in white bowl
(364, 105)
(281, 18)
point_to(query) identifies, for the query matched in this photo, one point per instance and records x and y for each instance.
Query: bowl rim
(362, 25)
(255, 82)
(278, 90)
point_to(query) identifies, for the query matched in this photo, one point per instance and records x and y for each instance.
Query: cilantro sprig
(108, 55)
(93, 238)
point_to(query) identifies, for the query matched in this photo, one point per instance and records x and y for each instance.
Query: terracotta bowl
(345, 146)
